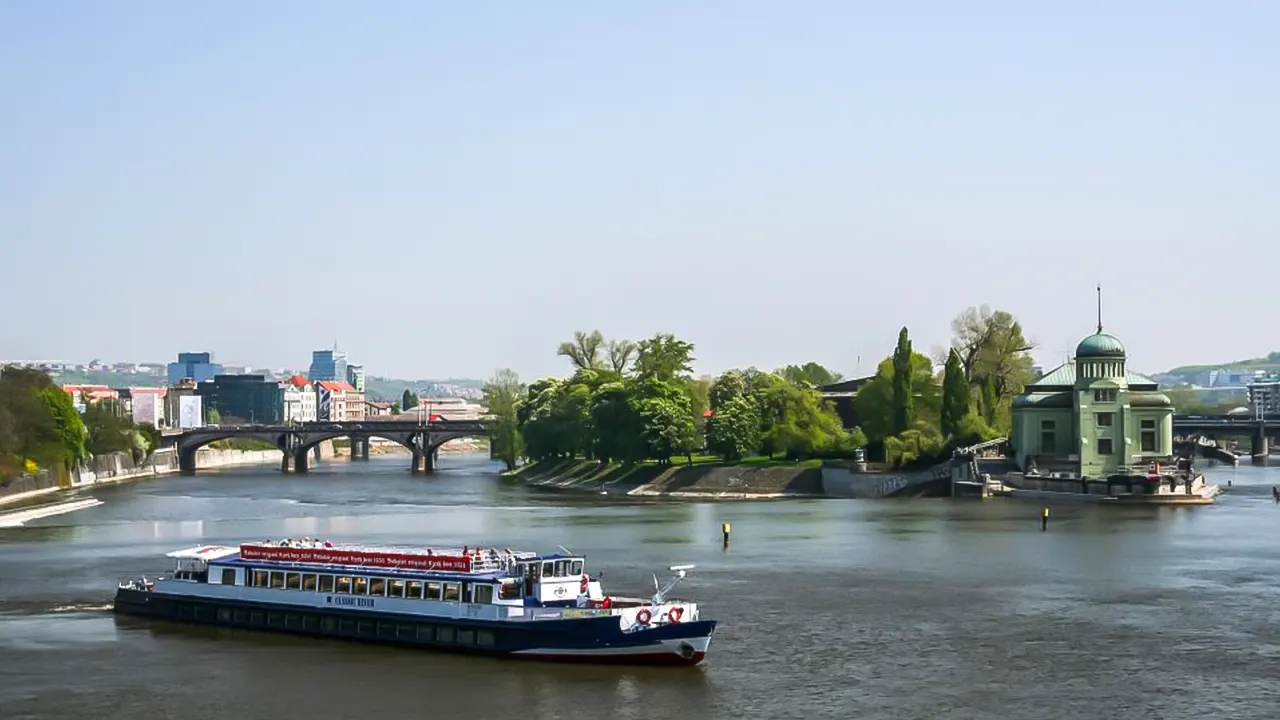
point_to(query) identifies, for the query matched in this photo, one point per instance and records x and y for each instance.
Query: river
(829, 608)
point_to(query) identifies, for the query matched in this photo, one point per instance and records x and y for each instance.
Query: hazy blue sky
(447, 188)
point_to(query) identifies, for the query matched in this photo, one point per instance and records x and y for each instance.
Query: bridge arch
(189, 445)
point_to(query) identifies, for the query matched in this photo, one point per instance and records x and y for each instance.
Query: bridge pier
(187, 462)
(424, 461)
(300, 461)
(1261, 449)
(359, 448)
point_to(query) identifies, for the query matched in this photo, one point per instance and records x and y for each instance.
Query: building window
(1104, 446)
(1106, 419)
(1104, 396)
(1148, 436)
(1048, 438)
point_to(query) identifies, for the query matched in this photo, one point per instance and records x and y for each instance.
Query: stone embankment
(709, 482)
(119, 467)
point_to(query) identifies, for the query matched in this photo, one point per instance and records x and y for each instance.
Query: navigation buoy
(725, 529)
(1044, 519)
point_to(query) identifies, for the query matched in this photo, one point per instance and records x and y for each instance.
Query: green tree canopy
(503, 395)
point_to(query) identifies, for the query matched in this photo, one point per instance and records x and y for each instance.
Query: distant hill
(1270, 363)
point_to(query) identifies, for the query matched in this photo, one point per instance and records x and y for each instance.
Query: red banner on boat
(337, 556)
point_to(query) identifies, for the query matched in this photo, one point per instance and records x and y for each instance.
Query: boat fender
(675, 614)
(643, 617)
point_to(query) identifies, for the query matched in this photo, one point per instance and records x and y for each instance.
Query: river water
(850, 609)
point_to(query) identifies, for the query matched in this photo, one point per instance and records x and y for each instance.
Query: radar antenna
(660, 594)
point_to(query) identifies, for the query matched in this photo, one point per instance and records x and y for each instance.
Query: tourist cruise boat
(482, 601)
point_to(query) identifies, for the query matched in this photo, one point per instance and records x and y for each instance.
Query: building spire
(1099, 308)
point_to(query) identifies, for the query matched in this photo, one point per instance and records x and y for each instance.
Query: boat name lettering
(332, 556)
(348, 601)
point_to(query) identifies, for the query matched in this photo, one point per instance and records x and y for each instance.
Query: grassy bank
(705, 477)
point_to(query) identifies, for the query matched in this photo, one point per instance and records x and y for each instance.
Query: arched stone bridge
(295, 441)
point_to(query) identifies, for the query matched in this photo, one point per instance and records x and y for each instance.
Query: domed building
(1091, 417)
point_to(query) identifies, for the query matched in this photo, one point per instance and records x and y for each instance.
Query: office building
(355, 377)
(199, 366)
(243, 399)
(328, 365)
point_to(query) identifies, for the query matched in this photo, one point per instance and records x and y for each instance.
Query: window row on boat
(337, 625)
(375, 586)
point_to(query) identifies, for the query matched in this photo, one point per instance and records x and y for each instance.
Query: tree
(215, 417)
(584, 350)
(408, 400)
(874, 403)
(903, 399)
(734, 430)
(39, 425)
(107, 430)
(811, 373)
(996, 359)
(803, 425)
(395, 408)
(663, 357)
(620, 353)
(503, 396)
(955, 394)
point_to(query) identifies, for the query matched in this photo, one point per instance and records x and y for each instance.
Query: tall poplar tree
(955, 394)
(903, 400)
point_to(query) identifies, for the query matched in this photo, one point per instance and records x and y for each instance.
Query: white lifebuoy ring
(675, 614)
(643, 617)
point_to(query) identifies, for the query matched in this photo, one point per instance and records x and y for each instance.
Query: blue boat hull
(594, 640)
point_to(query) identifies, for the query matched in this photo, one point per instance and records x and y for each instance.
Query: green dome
(1100, 345)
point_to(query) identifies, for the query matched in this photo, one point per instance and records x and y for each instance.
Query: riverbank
(700, 481)
(119, 468)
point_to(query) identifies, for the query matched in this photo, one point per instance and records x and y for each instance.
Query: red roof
(335, 386)
(298, 381)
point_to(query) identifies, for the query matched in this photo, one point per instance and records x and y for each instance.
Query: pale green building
(1092, 417)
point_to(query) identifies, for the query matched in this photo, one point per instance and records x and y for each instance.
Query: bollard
(725, 529)
(1044, 519)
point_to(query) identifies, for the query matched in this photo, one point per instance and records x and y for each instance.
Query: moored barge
(481, 601)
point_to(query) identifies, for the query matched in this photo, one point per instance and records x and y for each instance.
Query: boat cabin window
(293, 581)
(344, 585)
(277, 579)
(452, 592)
(326, 583)
(395, 588)
(562, 568)
(228, 576)
(548, 569)
(360, 586)
(483, 594)
(413, 589)
(509, 590)
(309, 583)
(259, 579)
(577, 568)
(378, 586)
(433, 591)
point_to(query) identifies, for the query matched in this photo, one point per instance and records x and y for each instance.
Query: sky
(444, 189)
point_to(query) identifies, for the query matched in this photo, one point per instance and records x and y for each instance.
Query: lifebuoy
(675, 614)
(643, 617)
(586, 583)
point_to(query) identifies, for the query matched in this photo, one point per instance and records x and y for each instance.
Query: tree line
(630, 401)
(910, 413)
(40, 428)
